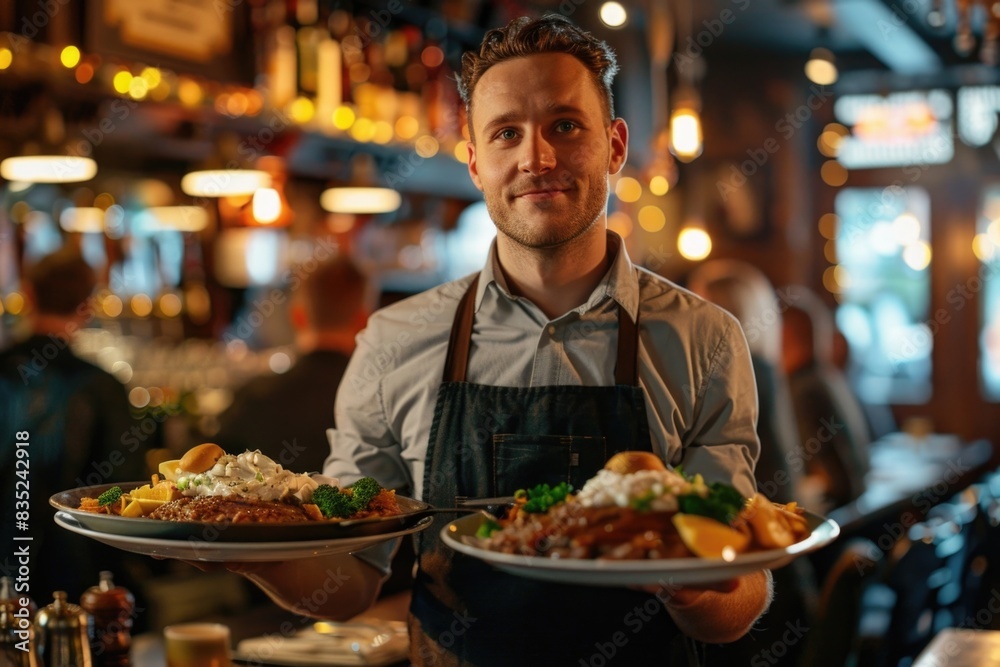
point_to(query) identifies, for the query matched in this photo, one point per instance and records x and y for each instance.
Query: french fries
(138, 502)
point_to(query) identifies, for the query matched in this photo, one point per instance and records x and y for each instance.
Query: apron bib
(488, 441)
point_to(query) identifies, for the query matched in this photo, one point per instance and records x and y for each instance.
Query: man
(286, 415)
(545, 376)
(831, 422)
(76, 418)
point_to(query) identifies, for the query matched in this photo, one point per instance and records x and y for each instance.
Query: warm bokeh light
(152, 76)
(360, 200)
(828, 224)
(836, 279)
(141, 305)
(138, 397)
(48, 169)
(343, 117)
(407, 127)
(830, 251)
(613, 14)
(112, 305)
(829, 143)
(138, 88)
(833, 173)
(820, 68)
(462, 152)
(427, 146)
(694, 244)
(917, 255)
(363, 129)
(659, 185)
(170, 305)
(6, 58)
(69, 57)
(14, 303)
(432, 56)
(302, 110)
(189, 93)
(685, 134)
(984, 248)
(652, 219)
(620, 223)
(279, 362)
(84, 73)
(628, 189)
(266, 205)
(122, 81)
(383, 132)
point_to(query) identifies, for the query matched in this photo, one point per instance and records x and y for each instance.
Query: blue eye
(507, 134)
(566, 126)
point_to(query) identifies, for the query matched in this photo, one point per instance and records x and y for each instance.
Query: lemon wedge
(708, 538)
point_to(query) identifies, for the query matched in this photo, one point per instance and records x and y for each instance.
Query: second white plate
(460, 536)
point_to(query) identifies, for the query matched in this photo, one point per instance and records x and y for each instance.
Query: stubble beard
(554, 234)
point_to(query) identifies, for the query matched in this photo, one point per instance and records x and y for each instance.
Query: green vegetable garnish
(644, 502)
(260, 476)
(110, 496)
(362, 492)
(487, 528)
(543, 496)
(722, 503)
(332, 502)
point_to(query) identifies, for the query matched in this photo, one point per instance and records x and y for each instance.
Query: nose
(538, 155)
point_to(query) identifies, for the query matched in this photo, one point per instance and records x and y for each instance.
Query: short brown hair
(525, 36)
(61, 282)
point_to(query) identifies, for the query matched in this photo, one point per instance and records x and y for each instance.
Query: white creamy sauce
(659, 487)
(249, 475)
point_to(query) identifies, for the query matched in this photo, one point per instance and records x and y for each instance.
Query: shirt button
(552, 330)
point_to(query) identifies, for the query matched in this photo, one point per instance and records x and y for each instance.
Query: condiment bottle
(112, 607)
(15, 626)
(62, 634)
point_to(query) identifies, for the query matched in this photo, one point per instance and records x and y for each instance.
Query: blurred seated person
(77, 420)
(745, 292)
(286, 415)
(832, 426)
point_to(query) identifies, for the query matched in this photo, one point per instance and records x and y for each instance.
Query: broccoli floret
(543, 497)
(362, 492)
(110, 496)
(332, 502)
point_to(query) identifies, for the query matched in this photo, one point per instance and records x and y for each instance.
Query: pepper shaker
(111, 607)
(62, 634)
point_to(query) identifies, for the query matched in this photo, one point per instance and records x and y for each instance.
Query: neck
(334, 341)
(559, 279)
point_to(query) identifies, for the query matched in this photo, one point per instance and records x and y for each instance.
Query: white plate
(202, 550)
(665, 571)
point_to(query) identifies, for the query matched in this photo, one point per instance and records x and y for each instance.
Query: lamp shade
(360, 200)
(48, 169)
(225, 182)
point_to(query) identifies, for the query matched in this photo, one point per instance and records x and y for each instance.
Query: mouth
(544, 194)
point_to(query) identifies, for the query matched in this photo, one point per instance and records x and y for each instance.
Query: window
(987, 283)
(883, 285)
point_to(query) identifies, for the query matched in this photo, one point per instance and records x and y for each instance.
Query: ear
(619, 145)
(473, 167)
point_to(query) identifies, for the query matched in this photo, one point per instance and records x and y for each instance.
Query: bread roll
(629, 462)
(201, 457)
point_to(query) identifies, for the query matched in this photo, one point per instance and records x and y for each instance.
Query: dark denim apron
(489, 441)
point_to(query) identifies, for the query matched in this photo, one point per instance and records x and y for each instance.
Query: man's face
(543, 148)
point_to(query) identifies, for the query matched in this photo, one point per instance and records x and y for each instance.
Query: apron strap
(457, 360)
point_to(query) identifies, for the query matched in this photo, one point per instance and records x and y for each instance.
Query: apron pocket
(521, 461)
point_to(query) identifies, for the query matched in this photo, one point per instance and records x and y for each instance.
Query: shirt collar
(621, 282)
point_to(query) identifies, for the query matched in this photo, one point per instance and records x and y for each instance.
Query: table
(956, 647)
(911, 474)
(147, 649)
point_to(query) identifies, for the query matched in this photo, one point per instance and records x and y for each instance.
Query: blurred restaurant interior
(204, 157)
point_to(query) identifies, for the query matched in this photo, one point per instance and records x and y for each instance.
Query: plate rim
(150, 528)
(258, 548)
(669, 566)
